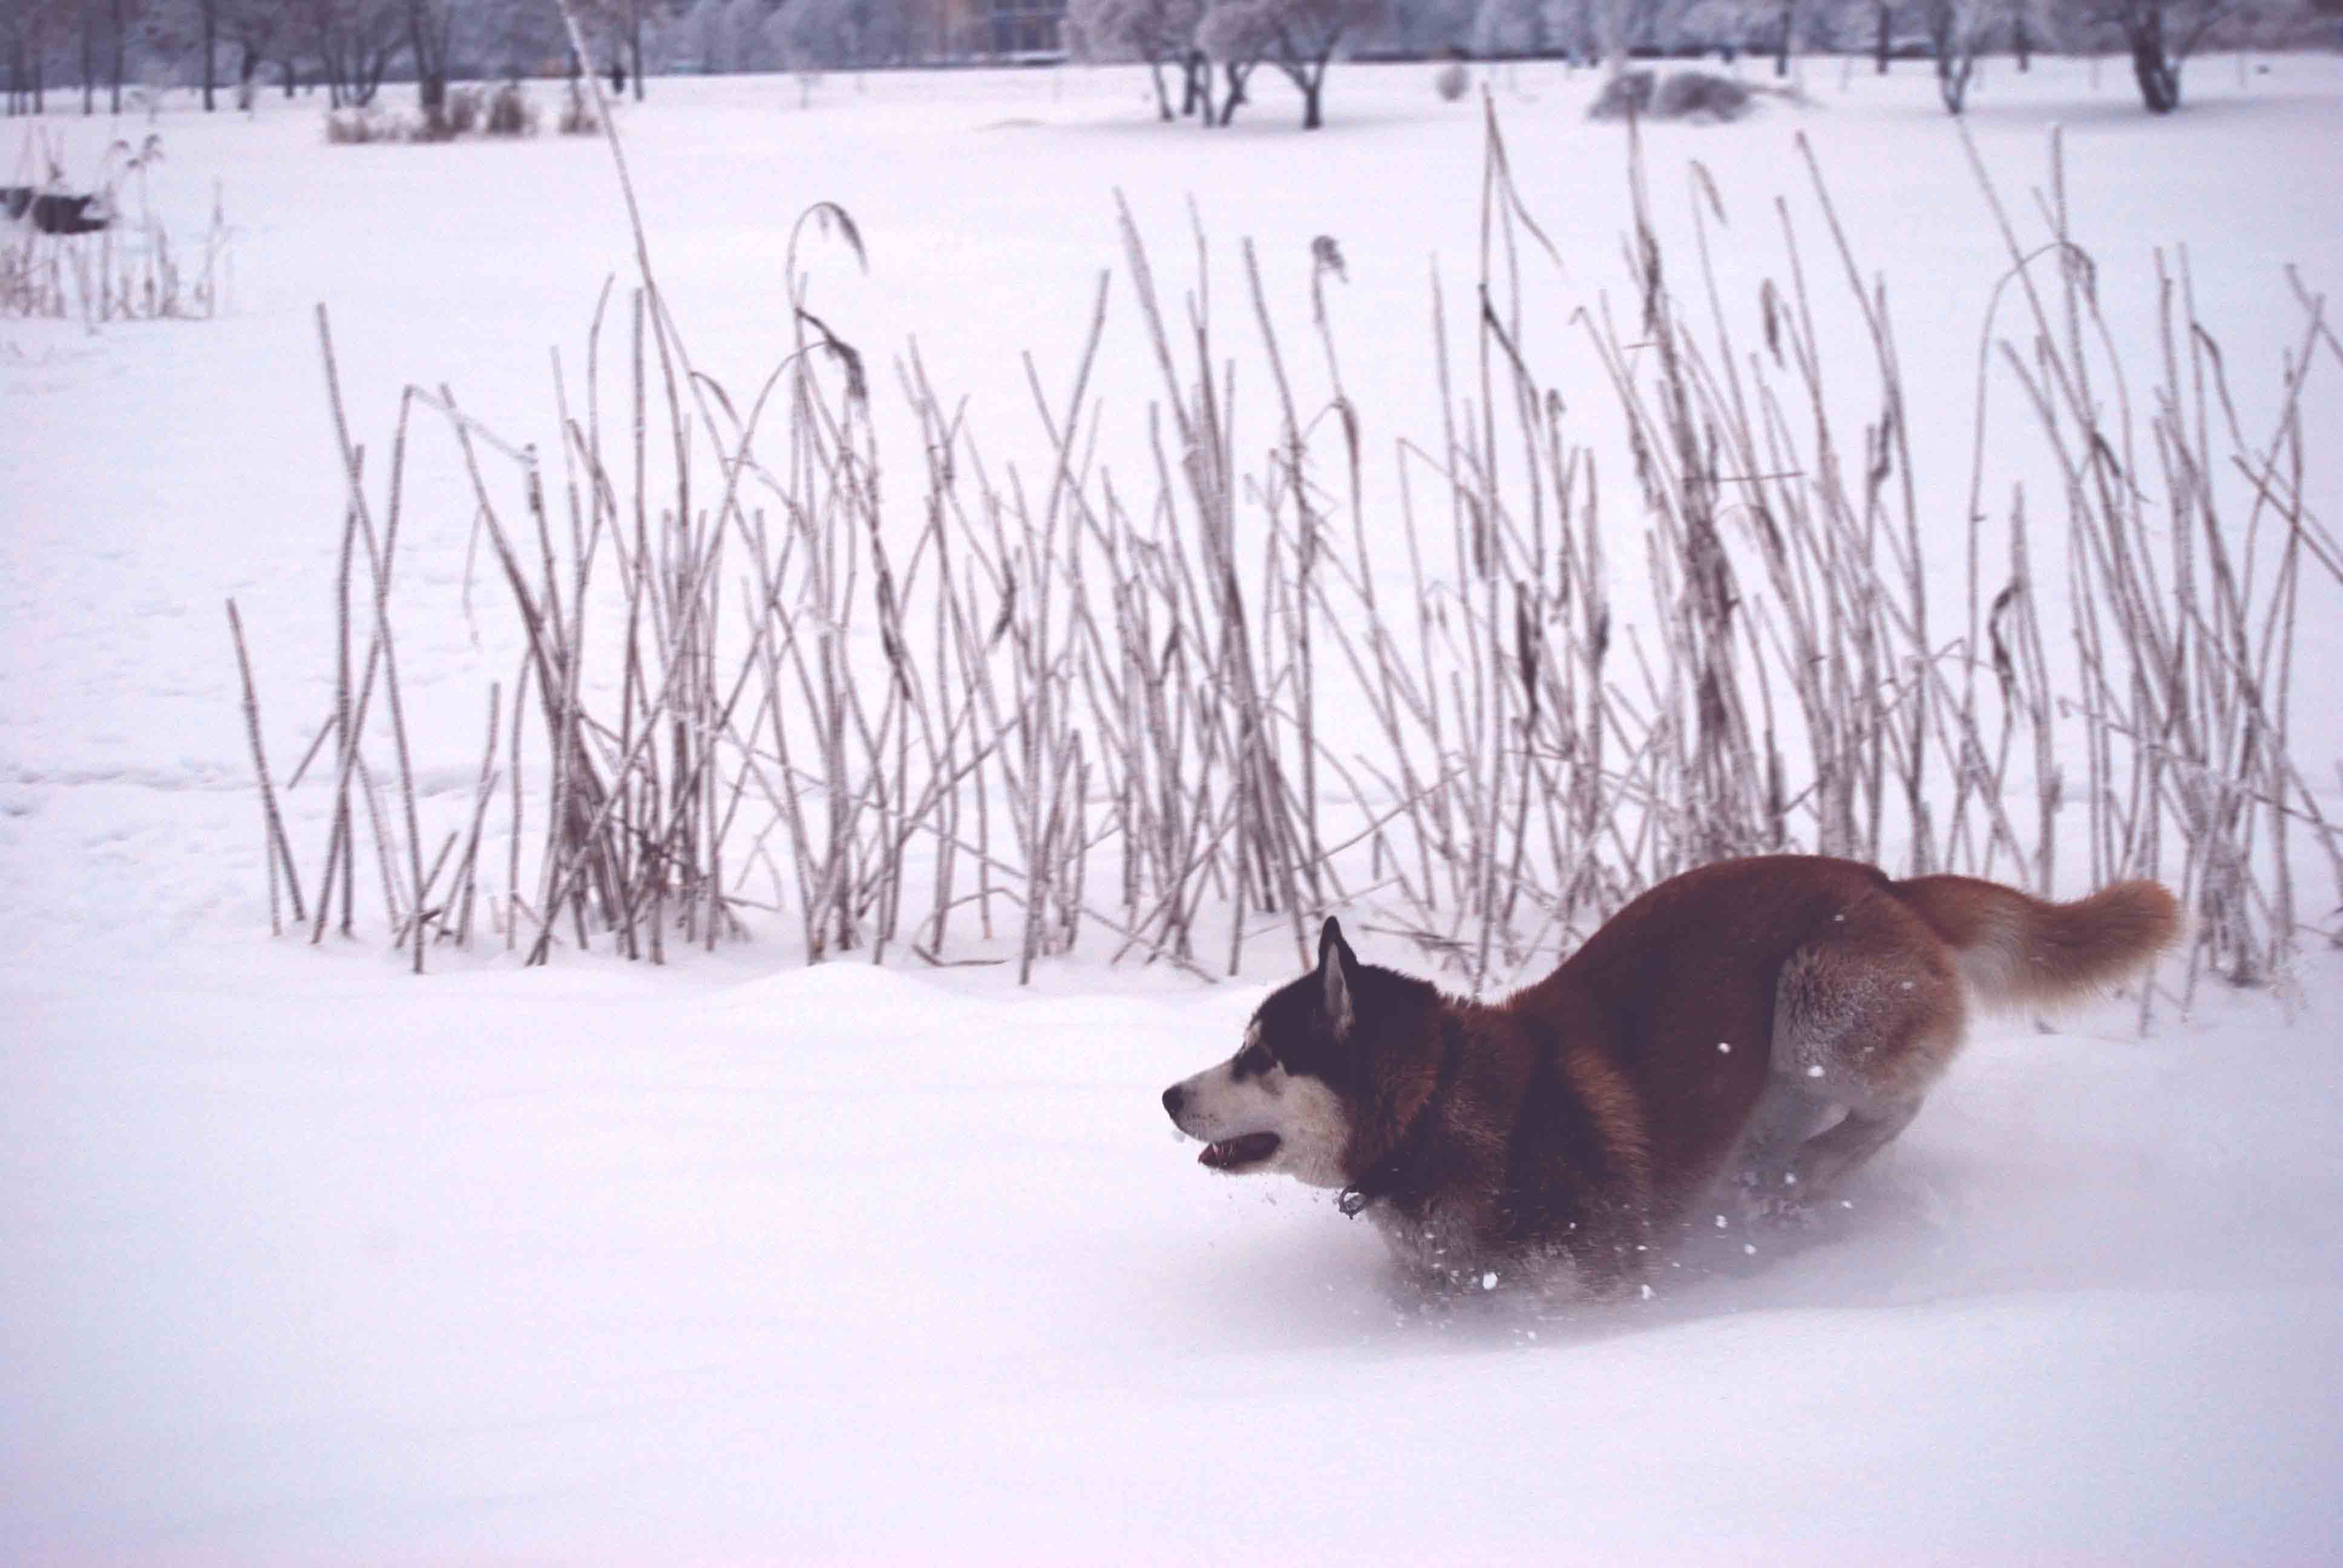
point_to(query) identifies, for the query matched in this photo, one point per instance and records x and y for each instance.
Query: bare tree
(251, 27)
(1956, 33)
(705, 25)
(430, 28)
(1227, 38)
(353, 41)
(801, 35)
(28, 28)
(167, 31)
(2160, 34)
(120, 12)
(819, 33)
(1735, 25)
(1502, 27)
(207, 19)
(1430, 28)
(614, 31)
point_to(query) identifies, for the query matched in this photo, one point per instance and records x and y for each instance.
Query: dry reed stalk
(468, 871)
(275, 851)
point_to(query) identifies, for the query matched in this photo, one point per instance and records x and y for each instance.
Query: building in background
(1029, 31)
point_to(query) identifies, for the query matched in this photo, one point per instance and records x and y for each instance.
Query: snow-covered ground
(306, 1260)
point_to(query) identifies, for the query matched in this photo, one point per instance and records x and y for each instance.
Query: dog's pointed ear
(1338, 966)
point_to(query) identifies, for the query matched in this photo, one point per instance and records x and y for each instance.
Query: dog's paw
(1784, 1208)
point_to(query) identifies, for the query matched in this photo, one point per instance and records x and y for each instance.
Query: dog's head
(1280, 1103)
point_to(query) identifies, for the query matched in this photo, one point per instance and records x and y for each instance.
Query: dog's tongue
(1248, 1150)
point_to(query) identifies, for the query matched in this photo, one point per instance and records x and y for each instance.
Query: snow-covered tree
(708, 29)
(29, 29)
(718, 37)
(1158, 32)
(1859, 26)
(614, 31)
(758, 35)
(1881, 16)
(822, 34)
(1427, 28)
(23, 46)
(1611, 30)
(1958, 31)
(1772, 26)
(1300, 37)
(2027, 29)
(430, 34)
(254, 29)
(1227, 36)
(1502, 27)
(2160, 36)
(353, 42)
(810, 37)
(510, 40)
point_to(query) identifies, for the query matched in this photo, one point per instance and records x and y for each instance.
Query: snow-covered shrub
(1628, 93)
(1700, 96)
(505, 111)
(510, 113)
(578, 117)
(460, 111)
(360, 127)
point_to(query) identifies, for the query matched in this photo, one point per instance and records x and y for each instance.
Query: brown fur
(1715, 1022)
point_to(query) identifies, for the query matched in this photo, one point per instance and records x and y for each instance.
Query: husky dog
(1786, 1013)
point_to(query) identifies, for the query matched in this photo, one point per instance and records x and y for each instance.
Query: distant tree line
(91, 53)
(99, 51)
(1208, 48)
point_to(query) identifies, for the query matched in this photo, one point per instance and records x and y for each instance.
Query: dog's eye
(1253, 1061)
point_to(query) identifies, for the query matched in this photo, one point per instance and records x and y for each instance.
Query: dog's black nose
(1172, 1098)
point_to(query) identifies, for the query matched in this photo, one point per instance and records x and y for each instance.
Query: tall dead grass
(1003, 718)
(128, 271)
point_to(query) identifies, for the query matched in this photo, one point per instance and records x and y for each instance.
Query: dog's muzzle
(1237, 1153)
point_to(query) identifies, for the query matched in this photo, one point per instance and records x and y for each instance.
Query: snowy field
(308, 1261)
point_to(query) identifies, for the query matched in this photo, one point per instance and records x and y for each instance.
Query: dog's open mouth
(1236, 1153)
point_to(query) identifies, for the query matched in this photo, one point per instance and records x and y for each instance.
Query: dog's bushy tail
(2016, 949)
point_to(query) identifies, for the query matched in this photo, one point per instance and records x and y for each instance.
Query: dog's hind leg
(1823, 1159)
(1865, 1019)
(1786, 1118)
